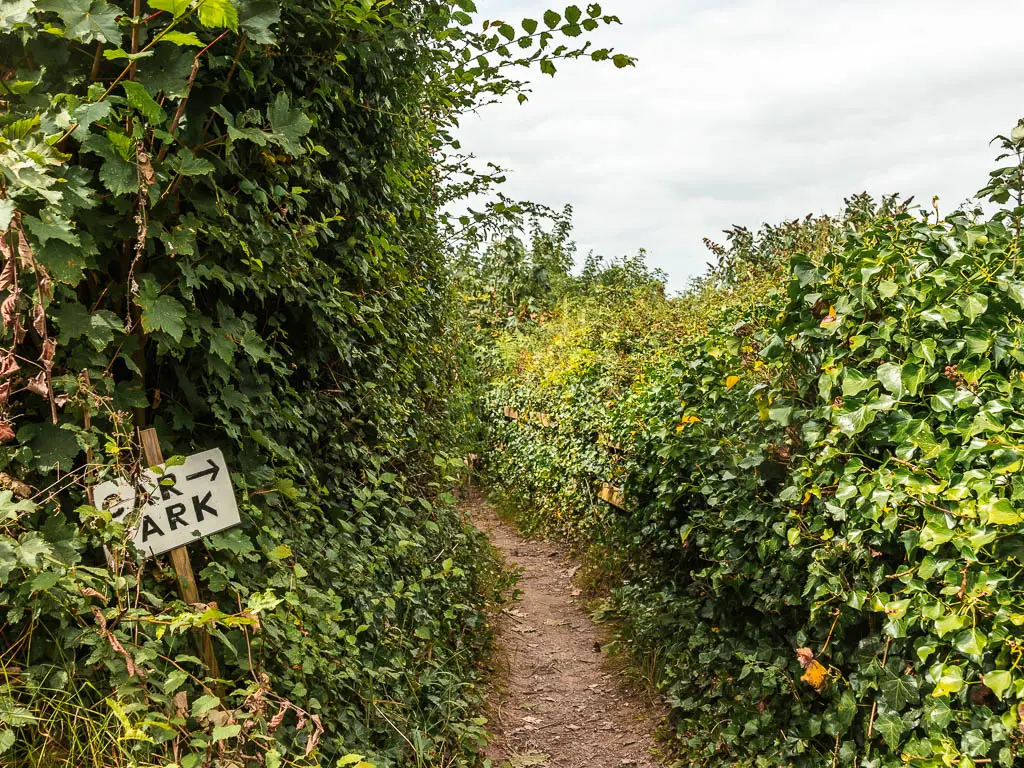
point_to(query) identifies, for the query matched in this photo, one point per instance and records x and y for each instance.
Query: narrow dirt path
(558, 702)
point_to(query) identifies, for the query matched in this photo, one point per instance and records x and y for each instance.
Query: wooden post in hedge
(153, 456)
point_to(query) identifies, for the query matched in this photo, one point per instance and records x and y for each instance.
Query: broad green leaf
(139, 98)
(161, 313)
(222, 732)
(188, 164)
(288, 125)
(51, 445)
(86, 20)
(174, 680)
(33, 549)
(204, 704)
(8, 558)
(7, 208)
(218, 14)
(552, 19)
(114, 54)
(181, 38)
(949, 623)
(256, 17)
(7, 739)
(174, 7)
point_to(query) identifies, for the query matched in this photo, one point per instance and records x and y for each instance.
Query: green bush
(823, 545)
(225, 220)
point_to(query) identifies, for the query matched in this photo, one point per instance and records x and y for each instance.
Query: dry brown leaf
(90, 592)
(8, 277)
(805, 656)
(25, 255)
(39, 385)
(315, 736)
(181, 704)
(9, 365)
(6, 431)
(9, 309)
(46, 358)
(146, 175)
(276, 720)
(39, 319)
(115, 644)
(15, 486)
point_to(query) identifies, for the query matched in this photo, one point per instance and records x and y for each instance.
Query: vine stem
(874, 704)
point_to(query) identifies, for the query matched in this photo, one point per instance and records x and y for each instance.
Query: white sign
(180, 505)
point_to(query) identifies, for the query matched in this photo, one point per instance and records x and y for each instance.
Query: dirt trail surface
(557, 702)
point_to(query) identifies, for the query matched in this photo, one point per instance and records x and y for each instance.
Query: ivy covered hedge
(224, 220)
(822, 560)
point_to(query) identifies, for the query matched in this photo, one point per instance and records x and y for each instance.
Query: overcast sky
(744, 111)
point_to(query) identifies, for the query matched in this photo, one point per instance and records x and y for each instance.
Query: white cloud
(750, 110)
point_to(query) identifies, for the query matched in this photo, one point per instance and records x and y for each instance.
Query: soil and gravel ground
(558, 701)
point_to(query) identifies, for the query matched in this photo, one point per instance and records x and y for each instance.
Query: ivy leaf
(971, 641)
(217, 14)
(854, 422)
(950, 679)
(161, 313)
(891, 727)
(891, 377)
(139, 98)
(999, 681)
(855, 382)
(973, 305)
(899, 690)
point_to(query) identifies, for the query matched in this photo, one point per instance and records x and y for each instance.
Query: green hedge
(822, 560)
(225, 220)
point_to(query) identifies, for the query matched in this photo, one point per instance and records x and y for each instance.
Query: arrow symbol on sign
(212, 472)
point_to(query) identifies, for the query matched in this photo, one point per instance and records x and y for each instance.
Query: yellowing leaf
(829, 319)
(816, 675)
(731, 381)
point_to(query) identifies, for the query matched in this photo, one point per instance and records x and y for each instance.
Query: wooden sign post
(153, 456)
